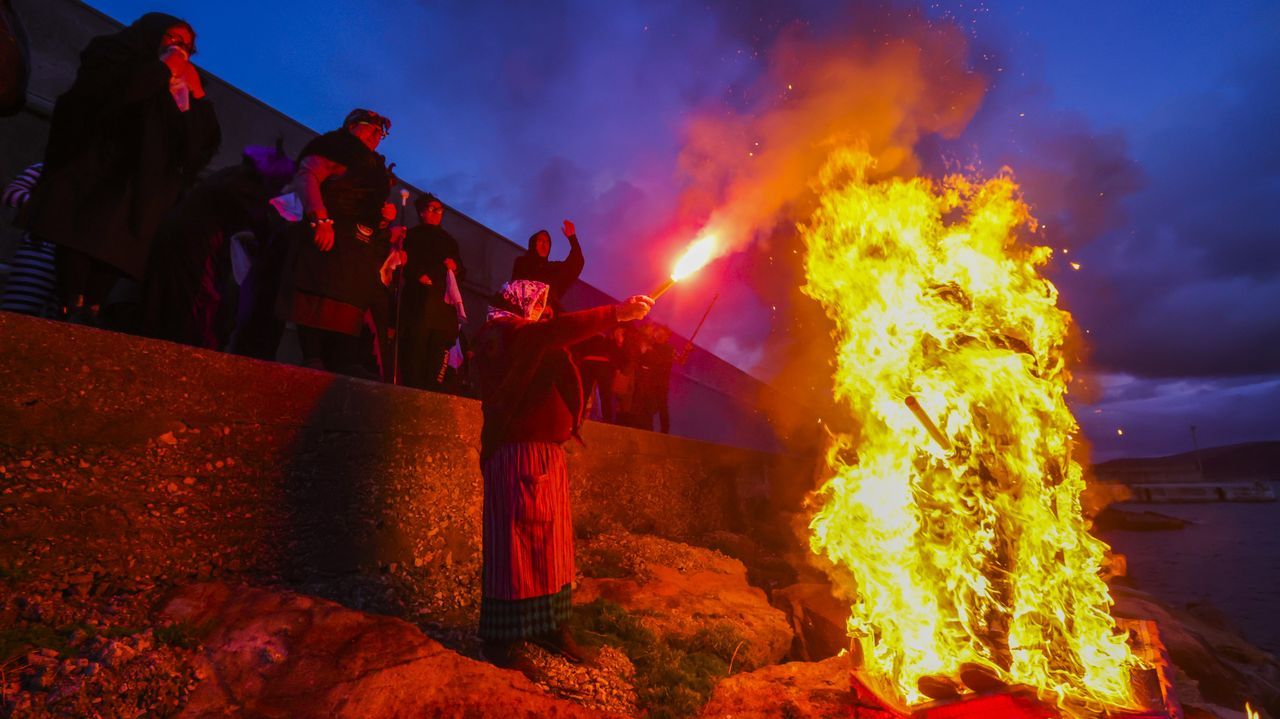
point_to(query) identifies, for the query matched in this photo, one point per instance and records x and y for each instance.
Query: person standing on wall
(531, 401)
(125, 141)
(653, 379)
(15, 61)
(190, 288)
(594, 358)
(535, 264)
(429, 322)
(337, 250)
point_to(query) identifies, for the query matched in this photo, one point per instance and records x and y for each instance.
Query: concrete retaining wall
(126, 455)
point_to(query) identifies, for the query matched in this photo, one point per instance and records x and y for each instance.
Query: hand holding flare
(699, 253)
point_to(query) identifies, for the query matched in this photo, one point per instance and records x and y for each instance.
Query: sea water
(1229, 557)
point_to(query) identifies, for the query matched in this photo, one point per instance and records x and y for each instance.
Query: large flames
(965, 539)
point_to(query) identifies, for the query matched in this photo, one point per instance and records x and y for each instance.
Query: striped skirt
(31, 288)
(528, 541)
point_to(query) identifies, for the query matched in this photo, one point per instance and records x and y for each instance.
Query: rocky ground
(682, 633)
(729, 628)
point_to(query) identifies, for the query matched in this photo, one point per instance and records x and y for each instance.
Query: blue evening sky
(522, 114)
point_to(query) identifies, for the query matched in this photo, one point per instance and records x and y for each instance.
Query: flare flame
(973, 549)
(698, 254)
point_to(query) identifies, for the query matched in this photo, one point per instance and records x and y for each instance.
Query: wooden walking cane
(688, 346)
(395, 337)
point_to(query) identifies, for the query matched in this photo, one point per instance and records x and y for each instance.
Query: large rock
(798, 690)
(1214, 662)
(818, 618)
(677, 589)
(1113, 518)
(277, 654)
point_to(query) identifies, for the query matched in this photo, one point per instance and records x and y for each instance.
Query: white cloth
(180, 93)
(178, 88)
(289, 205)
(453, 296)
(241, 259)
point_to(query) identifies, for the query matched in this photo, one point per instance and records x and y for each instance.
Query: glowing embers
(952, 514)
(1008, 703)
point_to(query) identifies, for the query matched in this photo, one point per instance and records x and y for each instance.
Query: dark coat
(557, 275)
(348, 272)
(423, 306)
(191, 259)
(530, 390)
(120, 152)
(653, 378)
(15, 61)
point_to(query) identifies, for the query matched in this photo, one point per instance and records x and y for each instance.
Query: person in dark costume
(557, 275)
(258, 328)
(428, 322)
(653, 380)
(376, 334)
(594, 356)
(624, 348)
(531, 400)
(190, 265)
(125, 141)
(337, 250)
(15, 61)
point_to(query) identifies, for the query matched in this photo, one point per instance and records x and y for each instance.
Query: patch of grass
(607, 564)
(674, 677)
(720, 640)
(16, 641)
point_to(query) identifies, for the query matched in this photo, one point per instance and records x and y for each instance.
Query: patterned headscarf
(516, 299)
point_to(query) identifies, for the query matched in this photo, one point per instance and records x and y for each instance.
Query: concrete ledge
(115, 446)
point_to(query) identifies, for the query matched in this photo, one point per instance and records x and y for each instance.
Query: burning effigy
(952, 514)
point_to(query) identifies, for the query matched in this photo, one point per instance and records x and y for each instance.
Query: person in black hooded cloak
(125, 141)
(536, 264)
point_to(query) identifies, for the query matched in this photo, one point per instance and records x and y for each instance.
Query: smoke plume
(880, 83)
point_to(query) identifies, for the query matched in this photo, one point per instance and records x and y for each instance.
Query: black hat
(368, 117)
(421, 201)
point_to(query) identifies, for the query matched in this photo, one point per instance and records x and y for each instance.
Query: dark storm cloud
(1156, 415)
(1190, 286)
(572, 111)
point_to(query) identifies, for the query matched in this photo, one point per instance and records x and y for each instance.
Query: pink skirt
(528, 529)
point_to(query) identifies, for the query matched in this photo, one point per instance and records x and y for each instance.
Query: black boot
(506, 655)
(561, 642)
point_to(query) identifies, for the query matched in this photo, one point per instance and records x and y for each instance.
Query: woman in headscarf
(130, 135)
(536, 264)
(531, 397)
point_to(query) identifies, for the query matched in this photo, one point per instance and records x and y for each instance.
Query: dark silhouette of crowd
(127, 228)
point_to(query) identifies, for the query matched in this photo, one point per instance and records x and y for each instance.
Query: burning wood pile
(952, 514)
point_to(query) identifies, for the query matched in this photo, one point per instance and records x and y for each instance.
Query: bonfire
(951, 516)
